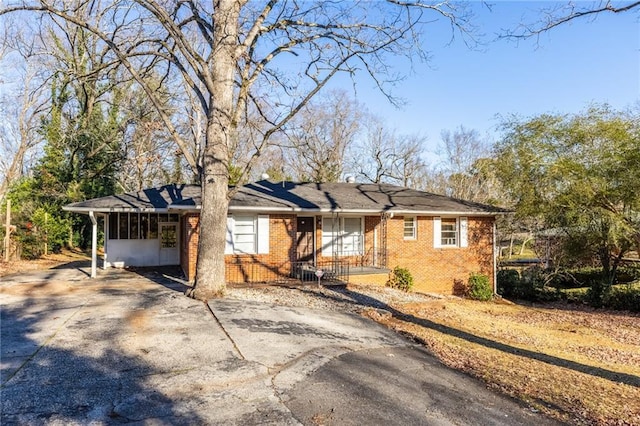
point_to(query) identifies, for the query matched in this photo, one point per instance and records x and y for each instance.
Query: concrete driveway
(127, 348)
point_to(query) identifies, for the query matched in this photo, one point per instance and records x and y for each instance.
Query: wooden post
(46, 234)
(7, 233)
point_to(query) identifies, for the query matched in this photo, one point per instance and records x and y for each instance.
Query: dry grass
(579, 366)
(45, 262)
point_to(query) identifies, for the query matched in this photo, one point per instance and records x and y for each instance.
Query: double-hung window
(247, 234)
(410, 228)
(450, 232)
(342, 236)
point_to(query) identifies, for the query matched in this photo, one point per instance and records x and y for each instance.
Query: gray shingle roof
(270, 196)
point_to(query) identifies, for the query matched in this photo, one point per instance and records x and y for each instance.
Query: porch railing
(253, 271)
(332, 271)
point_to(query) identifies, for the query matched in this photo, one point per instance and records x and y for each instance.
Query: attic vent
(351, 179)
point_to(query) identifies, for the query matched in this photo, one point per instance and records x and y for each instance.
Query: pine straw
(579, 366)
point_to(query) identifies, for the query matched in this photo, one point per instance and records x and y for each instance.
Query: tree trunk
(220, 133)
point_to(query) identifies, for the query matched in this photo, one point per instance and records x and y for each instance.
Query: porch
(250, 270)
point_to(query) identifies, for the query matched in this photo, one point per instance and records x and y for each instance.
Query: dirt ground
(46, 262)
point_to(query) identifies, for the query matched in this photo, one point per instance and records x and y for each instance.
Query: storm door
(169, 244)
(304, 239)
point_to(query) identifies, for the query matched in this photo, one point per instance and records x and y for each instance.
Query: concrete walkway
(127, 348)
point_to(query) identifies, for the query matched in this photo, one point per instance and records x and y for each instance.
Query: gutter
(347, 211)
(280, 210)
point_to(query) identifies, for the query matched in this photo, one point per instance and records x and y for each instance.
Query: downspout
(94, 244)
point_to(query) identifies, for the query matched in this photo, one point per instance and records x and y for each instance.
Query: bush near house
(480, 287)
(400, 278)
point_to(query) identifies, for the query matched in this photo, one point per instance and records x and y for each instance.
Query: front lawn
(576, 364)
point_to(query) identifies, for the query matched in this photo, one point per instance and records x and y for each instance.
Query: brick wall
(189, 244)
(266, 267)
(246, 267)
(436, 269)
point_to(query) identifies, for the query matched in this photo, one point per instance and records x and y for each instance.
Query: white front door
(169, 246)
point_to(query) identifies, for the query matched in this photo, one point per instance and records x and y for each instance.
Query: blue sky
(566, 69)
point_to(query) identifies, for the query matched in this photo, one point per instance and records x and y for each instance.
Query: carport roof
(266, 196)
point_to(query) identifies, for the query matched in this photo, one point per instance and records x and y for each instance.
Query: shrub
(531, 283)
(627, 274)
(626, 297)
(480, 287)
(400, 278)
(508, 282)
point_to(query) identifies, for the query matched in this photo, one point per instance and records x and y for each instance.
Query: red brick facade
(433, 269)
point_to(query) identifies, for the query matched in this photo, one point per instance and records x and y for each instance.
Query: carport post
(94, 243)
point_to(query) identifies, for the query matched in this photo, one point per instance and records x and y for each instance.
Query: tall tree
(383, 155)
(463, 173)
(23, 109)
(238, 56)
(320, 136)
(579, 174)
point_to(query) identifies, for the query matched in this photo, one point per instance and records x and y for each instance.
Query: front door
(304, 239)
(169, 250)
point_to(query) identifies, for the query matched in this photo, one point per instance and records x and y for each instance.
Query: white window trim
(414, 228)
(462, 231)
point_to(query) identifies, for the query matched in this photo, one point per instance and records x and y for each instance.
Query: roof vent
(351, 179)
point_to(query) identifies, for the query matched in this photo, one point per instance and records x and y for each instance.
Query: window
(153, 226)
(113, 226)
(123, 227)
(133, 226)
(169, 237)
(144, 226)
(247, 234)
(342, 234)
(449, 232)
(351, 236)
(244, 234)
(409, 228)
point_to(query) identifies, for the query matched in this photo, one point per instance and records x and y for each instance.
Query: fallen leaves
(580, 366)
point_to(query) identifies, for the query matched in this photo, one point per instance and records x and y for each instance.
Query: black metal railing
(329, 271)
(253, 271)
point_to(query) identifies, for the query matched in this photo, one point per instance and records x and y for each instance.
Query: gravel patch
(334, 298)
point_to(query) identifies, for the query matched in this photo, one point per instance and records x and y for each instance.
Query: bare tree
(149, 153)
(320, 136)
(462, 174)
(236, 56)
(384, 156)
(561, 13)
(22, 109)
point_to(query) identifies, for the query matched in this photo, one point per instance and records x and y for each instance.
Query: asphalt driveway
(126, 348)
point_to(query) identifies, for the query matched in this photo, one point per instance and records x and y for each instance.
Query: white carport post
(94, 244)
